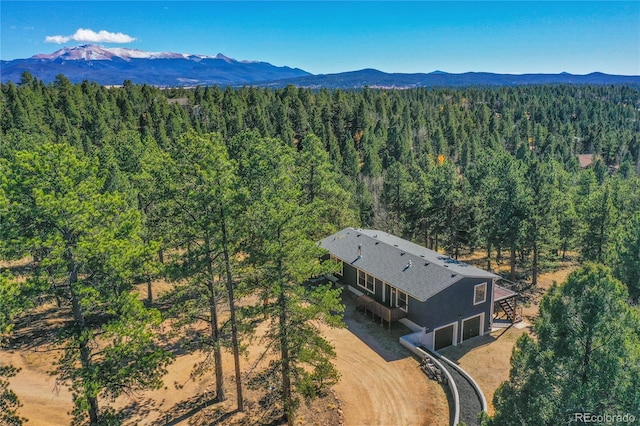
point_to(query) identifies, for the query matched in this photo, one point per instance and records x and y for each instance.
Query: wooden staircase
(510, 309)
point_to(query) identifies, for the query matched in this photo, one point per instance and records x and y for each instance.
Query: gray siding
(350, 275)
(453, 304)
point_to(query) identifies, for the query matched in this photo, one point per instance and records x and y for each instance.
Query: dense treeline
(456, 169)
(225, 192)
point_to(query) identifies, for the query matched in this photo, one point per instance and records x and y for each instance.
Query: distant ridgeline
(377, 79)
(112, 66)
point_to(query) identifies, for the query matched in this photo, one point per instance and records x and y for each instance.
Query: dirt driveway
(381, 382)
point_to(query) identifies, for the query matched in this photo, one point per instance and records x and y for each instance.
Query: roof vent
(377, 242)
(359, 250)
(402, 254)
(426, 264)
(395, 245)
(375, 236)
(422, 255)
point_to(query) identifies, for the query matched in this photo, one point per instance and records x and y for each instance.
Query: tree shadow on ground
(39, 327)
(137, 409)
(192, 410)
(382, 340)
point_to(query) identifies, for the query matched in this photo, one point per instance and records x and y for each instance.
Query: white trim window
(340, 271)
(402, 300)
(479, 293)
(366, 281)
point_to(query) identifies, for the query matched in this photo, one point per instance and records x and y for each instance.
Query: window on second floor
(479, 293)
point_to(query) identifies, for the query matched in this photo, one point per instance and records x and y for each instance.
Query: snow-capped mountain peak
(113, 65)
(92, 52)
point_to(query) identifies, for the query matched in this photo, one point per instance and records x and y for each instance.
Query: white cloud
(57, 39)
(87, 35)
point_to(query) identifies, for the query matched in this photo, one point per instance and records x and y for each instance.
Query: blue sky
(327, 37)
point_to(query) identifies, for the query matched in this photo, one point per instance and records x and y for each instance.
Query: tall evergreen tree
(599, 216)
(283, 255)
(322, 184)
(89, 245)
(585, 360)
(202, 184)
(504, 205)
(541, 227)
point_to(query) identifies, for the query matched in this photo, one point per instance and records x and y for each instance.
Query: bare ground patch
(381, 382)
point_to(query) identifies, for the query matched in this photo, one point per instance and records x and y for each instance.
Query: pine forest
(143, 223)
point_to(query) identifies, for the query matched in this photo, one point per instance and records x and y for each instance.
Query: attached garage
(443, 337)
(471, 327)
(448, 301)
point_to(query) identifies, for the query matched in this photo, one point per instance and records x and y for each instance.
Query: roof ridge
(414, 269)
(434, 257)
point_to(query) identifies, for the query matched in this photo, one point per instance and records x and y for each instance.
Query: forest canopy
(456, 169)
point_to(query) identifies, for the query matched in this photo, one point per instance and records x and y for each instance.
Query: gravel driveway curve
(470, 404)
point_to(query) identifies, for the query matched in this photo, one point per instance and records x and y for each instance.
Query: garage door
(444, 337)
(471, 328)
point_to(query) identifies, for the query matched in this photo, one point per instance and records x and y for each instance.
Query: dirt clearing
(381, 383)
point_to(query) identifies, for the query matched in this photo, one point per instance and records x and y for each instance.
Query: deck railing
(385, 313)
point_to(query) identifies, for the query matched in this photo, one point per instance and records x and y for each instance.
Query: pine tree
(89, 245)
(599, 216)
(282, 256)
(585, 359)
(541, 228)
(202, 185)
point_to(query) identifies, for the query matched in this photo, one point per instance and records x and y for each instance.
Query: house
(447, 300)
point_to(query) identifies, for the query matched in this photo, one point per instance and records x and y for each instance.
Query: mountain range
(112, 66)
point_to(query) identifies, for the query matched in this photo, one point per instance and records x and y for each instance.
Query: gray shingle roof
(416, 270)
